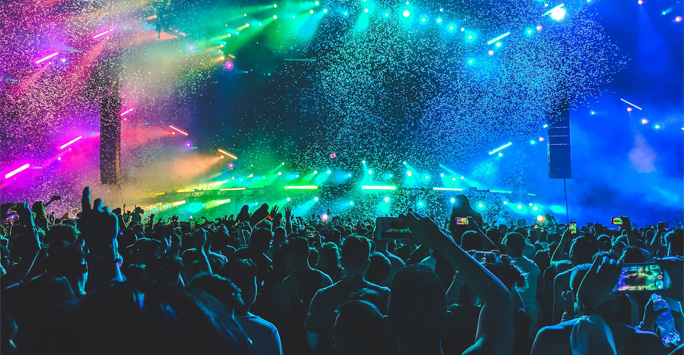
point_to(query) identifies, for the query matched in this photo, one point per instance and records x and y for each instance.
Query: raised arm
(19, 272)
(495, 324)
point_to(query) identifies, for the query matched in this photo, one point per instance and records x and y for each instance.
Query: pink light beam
(103, 33)
(179, 130)
(71, 142)
(46, 58)
(125, 112)
(17, 171)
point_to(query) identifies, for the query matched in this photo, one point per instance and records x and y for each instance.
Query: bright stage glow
(103, 33)
(678, 19)
(631, 104)
(17, 171)
(409, 173)
(46, 58)
(501, 147)
(125, 112)
(407, 13)
(71, 142)
(644, 121)
(179, 131)
(302, 187)
(227, 154)
(370, 171)
(315, 198)
(179, 203)
(558, 14)
(387, 199)
(234, 189)
(535, 208)
(453, 200)
(376, 187)
(446, 189)
(519, 207)
(498, 38)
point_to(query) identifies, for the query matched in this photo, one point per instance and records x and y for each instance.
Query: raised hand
(274, 211)
(597, 286)
(99, 227)
(651, 315)
(25, 215)
(288, 211)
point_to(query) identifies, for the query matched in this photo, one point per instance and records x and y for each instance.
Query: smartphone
(616, 220)
(642, 277)
(391, 228)
(572, 227)
(462, 221)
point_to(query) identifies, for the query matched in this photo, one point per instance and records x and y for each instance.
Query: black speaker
(110, 140)
(558, 142)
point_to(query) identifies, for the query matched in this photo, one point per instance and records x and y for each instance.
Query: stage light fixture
(644, 121)
(407, 13)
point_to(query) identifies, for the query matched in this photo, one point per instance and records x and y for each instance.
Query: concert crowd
(266, 281)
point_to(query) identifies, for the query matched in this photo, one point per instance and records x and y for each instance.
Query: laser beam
(631, 104)
(46, 58)
(302, 187)
(375, 187)
(234, 189)
(181, 131)
(125, 112)
(501, 147)
(71, 142)
(227, 154)
(498, 38)
(103, 33)
(446, 189)
(550, 11)
(17, 171)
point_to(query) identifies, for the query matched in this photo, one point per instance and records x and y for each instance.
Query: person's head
(632, 255)
(64, 232)
(220, 288)
(360, 330)
(471, 240)
(297, 254)
(332, 254)
(462, 202)
(604, 243)
(505, 270)
(675, 242)
(261, 239)
(166, 269)
(243, 273)
(417, 311)
(152, 318)
(69, 261)
(355, 255)
(378, 268)
(583, 249)
(515, 243)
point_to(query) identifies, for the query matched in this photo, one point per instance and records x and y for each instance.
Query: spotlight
(409, 173)
(288, 199)
(311, 11)
(656, 126)
(315, 172)
(644, 121)
(441, 175)
(407, 13)
(629, 109)
(328, 171)
(535, 208)
(370, 171)
(505, 202)
(453, 200)
(558, 13)
(592, 112)
(678, 19)
(491, 52)
(539, 27)
(365, 10)
(519, 207)
(387, 199)
(480, 205)
(500, 154)
(315, 198)
(640, 2)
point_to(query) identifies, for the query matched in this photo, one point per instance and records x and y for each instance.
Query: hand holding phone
(639, 277)
(462, 221)
(572, 227)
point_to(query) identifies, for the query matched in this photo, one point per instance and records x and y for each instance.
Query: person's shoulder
(256, 321)
(380, 289)
(553, 337)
